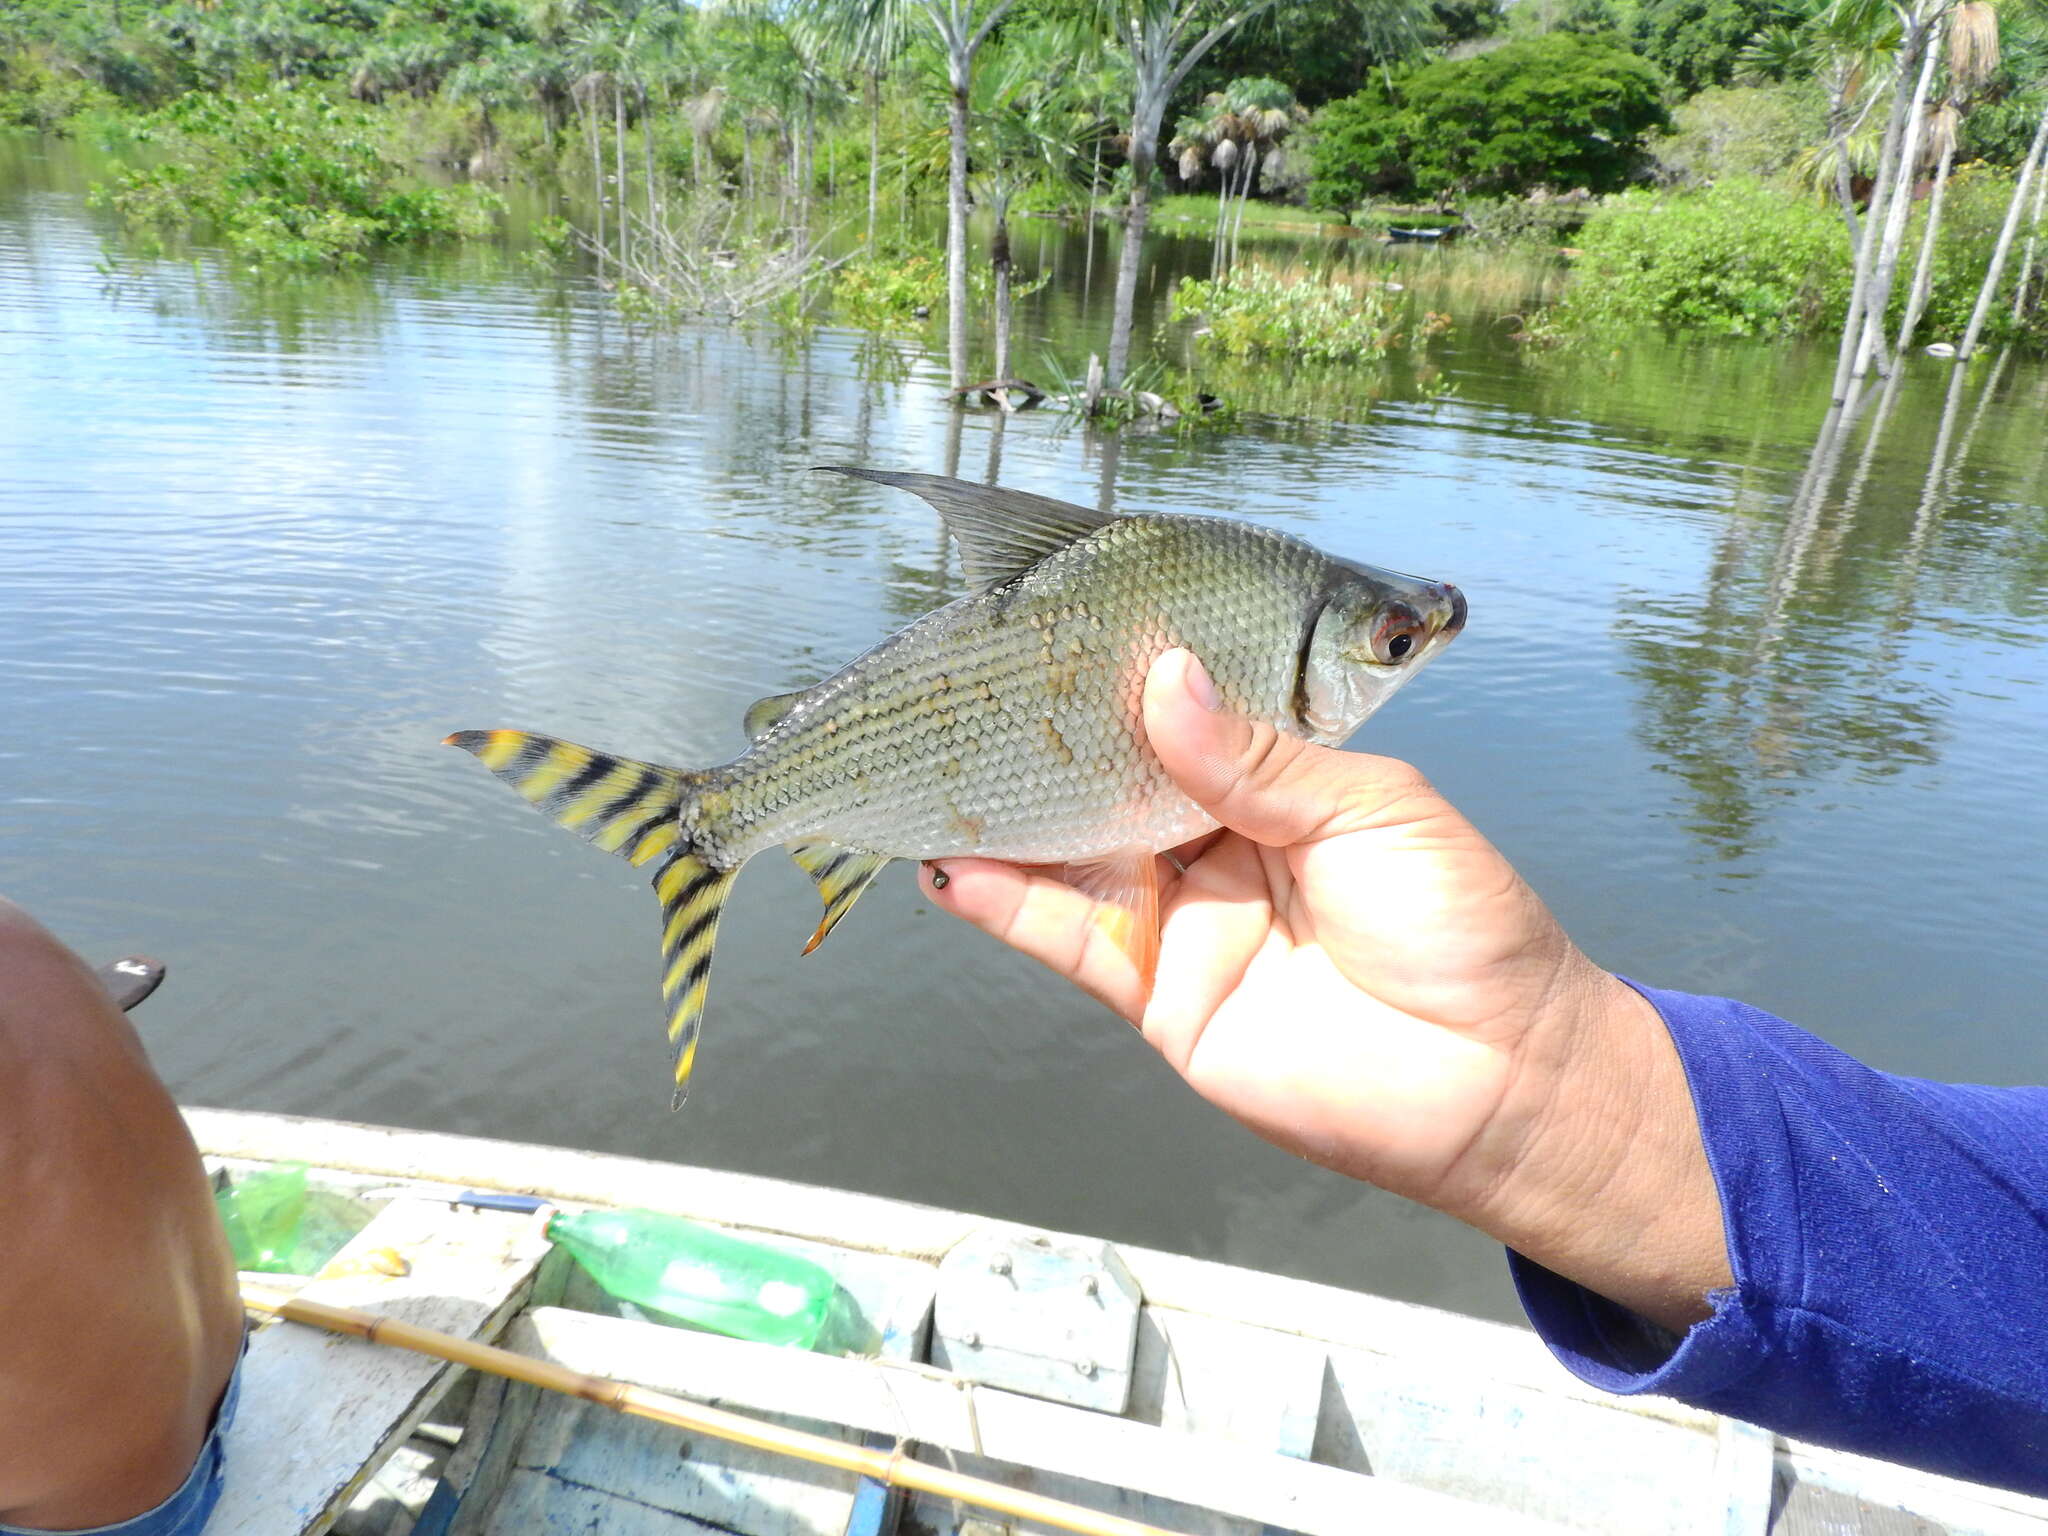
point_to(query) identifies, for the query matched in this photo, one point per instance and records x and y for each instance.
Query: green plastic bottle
(699, 1276)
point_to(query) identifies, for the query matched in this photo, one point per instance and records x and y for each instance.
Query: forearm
(1604, 1177)
(1888, 1245)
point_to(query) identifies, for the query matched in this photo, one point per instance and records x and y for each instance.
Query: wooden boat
(1194, 1396)
(1403, 236)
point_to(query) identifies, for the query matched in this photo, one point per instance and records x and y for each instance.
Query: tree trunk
(2019, 293)
(1244, 194)
(647, 145)
(619, 160)
(999, 258)
(874, 94)
(956, 219)
(596, 175)
(1871, 347)
(747, 160)
(1866, 248)
(1222, 223)
(1923, 265)
(2004, 247)
(1135, 220)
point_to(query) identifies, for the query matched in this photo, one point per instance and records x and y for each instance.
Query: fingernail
(1200, 688)
(940, 879)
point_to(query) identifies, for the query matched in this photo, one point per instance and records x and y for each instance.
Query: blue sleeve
(1889, 1241)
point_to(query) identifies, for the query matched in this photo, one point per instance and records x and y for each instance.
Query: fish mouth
(1448, 617)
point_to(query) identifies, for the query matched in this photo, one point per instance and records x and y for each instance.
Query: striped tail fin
(692, 895)
(633, 809)
(625, 807)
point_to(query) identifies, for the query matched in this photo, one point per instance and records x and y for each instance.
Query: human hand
(1349, 968)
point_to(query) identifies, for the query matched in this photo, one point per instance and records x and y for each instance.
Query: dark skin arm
(117, 1283)
(1351, 970)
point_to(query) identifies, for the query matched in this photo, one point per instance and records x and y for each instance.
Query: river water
(262, 544)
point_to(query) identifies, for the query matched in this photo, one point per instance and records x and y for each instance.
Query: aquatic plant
(1256, 311)
(285, 176)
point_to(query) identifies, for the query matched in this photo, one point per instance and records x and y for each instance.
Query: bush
(286, 176)
(882, 292)
(1755, 131)
(1739, 258)
(1562, 110)
(37, 95)
(1255, 311)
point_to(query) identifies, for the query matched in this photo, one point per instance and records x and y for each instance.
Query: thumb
(1272, 787)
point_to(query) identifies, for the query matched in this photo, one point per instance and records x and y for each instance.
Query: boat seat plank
(1201, 1470)
(320, 1412)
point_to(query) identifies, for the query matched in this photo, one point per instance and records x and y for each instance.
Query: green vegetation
(1739, 258)
(1258, 312)
(1744, 258)
(285, 176)
(1563, 110)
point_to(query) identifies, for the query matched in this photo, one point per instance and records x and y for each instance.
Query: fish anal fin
(1001, 534)
(842, 875)
(1125, 888)
(763, 715)
(692, 894)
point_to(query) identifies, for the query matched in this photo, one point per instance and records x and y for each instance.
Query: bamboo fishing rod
(884, 1466)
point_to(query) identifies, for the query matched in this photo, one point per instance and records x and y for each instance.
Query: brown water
(263, 544)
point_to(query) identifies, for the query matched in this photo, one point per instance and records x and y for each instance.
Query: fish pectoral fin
(842, 875)
(1125, 889)
(763, 715)
(1001, 534)
(692, 895)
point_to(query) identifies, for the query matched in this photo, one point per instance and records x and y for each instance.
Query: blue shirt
(1889, 1242)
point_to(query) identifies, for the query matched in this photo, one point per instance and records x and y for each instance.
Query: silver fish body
(1007, 724)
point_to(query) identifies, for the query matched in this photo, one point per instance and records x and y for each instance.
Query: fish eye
(1399, 633)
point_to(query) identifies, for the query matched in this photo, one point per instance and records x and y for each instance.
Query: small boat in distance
(1401, 235)
(1190, 1396)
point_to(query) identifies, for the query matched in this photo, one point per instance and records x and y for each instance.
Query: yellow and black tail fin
(692, 894)
(625, 807)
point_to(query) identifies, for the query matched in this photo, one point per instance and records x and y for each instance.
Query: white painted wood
(1964, 1509)
(320, 1412)
(1050, 1315)
(1206, 1471)
(1745, 1470)
(1498, 1382)
(591, 1178)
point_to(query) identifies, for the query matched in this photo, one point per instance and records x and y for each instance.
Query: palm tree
(1237, 126)
(1027, 119)
(1973, 55)
(962, 26)
(1164, 40)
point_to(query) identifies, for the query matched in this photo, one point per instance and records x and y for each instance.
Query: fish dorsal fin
(842, 875)
(1001, 534)
(763, 715)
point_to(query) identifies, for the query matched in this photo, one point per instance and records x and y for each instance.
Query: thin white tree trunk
(999, 256)
(2019, 293)
(1923, 266)
(1866, 248)
(1871, 348)
(1244, 195)
(596, 173)
(2004, 247)
(1222, 223)
(958, 67)
(874, 94)
(647, 143)
(619, 162)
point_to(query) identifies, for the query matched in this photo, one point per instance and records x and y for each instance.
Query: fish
(1007, 724)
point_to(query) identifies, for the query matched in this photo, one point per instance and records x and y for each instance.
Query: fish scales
(1007, 724)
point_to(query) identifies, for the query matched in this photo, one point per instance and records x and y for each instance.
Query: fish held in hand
(1006, 725)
